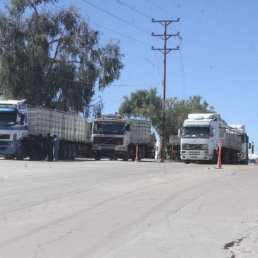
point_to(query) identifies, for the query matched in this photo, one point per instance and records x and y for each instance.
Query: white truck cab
(200, 137)
(13, 126)
(115, 136)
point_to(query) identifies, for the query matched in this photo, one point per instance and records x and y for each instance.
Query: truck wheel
(226, 157)
(69, 153)
(214, 157)
(10, 156)
(187, 161)
(245, 162)
(65, 152)
(125, 157)
(21, 154)
(97, 157)
(234, 157)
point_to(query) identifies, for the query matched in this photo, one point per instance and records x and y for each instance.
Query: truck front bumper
(8, 148)
(195, 155)
(109, 150)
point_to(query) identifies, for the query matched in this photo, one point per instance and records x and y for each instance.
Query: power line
(121, 34)
(182, 70)
(134, 9)
(134, 85)
(157, 6)
(117, 17)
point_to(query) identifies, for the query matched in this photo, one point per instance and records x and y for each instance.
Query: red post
(219, 157)
(136, 158)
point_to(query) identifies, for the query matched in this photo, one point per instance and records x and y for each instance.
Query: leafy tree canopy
(146, 103)
(53, 59)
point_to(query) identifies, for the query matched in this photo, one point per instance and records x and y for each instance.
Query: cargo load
(24, 130)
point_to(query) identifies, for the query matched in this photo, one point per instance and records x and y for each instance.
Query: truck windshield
(197, 132)
(108, 128)
(8, 118)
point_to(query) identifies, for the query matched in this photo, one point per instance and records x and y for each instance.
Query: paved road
(125, 209)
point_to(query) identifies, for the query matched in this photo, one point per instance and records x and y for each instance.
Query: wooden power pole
(165, 51)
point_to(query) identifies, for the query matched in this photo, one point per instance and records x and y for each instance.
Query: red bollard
(136, 158)
(219, 157)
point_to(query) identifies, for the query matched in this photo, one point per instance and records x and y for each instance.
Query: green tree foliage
(53, 59)
(147, 104)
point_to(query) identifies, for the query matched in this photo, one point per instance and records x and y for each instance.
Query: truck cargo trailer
(23, 130)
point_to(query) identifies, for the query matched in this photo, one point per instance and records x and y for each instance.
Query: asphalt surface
(89, 208)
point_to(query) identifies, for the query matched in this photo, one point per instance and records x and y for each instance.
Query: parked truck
(201, 134)
(115, 136)
(23, 130)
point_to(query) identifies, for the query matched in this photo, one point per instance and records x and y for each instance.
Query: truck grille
(5, 136)
(108, 140)
(3, 143)
(194, 152)
(191, 146)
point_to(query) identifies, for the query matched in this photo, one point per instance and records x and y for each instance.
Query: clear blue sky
(218, 58)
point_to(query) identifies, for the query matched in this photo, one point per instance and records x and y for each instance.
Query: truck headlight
(12, 145)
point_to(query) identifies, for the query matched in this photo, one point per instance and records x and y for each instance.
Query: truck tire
(125, 156)
(97, 157)
(187, 161)
(9, 156)
(69, 152)
(65, 152)
(234, 157)
(245, 162)
(214, 157)
(226, 157)
(21, 154)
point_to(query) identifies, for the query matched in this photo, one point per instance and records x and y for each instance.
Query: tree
(144, 103)
(53, 59)
(147, 104)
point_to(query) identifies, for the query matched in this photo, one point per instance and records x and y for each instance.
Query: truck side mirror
(179, 133)
(127, 128)
(18, 120)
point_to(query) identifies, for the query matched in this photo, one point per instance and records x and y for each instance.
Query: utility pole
(165, 51)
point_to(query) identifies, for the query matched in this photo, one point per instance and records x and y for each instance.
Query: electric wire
(117, 17)
(134, 9)
(181, 64)
(157, 6)
(118, 33)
